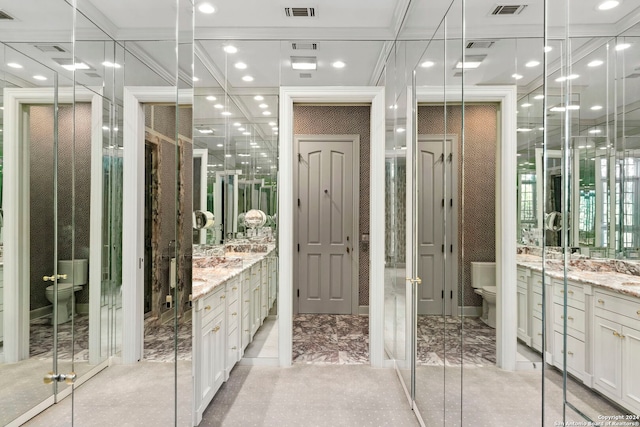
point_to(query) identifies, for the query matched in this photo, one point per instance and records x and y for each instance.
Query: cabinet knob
(539, 334)
(615, 333)
(234, 348)
(247, 300)
(216, 329)
(246, 330)
(570, 353)
(601, 301)
(638, 312)
(570, 318)
(234, 313)
(223, 297)
(540, 304)
(235, 288)
(208, 307)
(570, 292)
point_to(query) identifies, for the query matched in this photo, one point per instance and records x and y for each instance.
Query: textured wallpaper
(72, 160)
(479, 166)
(344, 120)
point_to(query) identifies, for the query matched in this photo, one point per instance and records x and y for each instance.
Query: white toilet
(77, 272)
(483, 280)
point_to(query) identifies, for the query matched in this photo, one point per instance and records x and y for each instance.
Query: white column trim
(133, 207)
(506, 178)
(289, 95)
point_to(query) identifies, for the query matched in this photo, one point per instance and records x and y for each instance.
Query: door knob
(67, 378)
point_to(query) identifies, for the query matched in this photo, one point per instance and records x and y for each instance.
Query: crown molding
(293, 33)
(95, 15)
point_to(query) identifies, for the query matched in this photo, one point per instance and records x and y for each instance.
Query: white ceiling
(358, 32)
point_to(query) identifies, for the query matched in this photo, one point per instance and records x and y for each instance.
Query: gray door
(325, 224)
(435, 204)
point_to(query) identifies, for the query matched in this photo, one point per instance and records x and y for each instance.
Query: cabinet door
(630, 358)
(523, 315)
(206, 389)
(219, 352)
(255, 310)
(607, 357)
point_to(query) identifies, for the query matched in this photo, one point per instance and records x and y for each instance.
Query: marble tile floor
(73, 338)
(330, 339)
(452, 341)
(310, 396)
(159, 341)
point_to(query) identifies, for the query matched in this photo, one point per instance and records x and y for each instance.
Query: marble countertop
(597, 274)
(209, 272)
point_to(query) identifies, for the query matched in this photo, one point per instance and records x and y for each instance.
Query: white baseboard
(363, 310)
(470, 311)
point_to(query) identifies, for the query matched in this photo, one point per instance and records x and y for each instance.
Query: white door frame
(506, 199)
(375, 96)
(133, 208)
(355, 218)
(16, 210)
(203, 155)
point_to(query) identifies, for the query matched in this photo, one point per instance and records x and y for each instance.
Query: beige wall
(344, 120)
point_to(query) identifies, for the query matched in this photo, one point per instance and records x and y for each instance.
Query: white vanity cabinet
(272, 280)
(617, 348)
(576, 327)
(208, 349)
(536, 307)
(264, 291)
(245, 310)
(524, 313)
(232, 291)
(256, 311)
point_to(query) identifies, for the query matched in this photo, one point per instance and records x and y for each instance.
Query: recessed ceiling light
(241, 129)
(532, 64)
(111, 64)
(526, 105)
(205, 131)
(76, 66)
(266, 113)
(519, 154)
(218, 106)
(247, 78)
(427, 64)
(338, 64)
(517, 76)
(272, 123)
(39, 77)
(196, 79)
(105, 127)
(253, 143)
(468, 64)
(263, 105)
(595, 131)
(230, 49)
(595, 63)
(623, 46)
(219, 145)
(240, 65)
(246, 133)
(573, 76)
(274, 128)
(227, 155)
(538, 97)
(540, 128)
(524, 130)
(211, 98)
(557, 109)
(400, 130)
(226, 113)
(14, 65)
(258, 97)
(547, 49)
(609, 4)
(596, 107)
(305, 63)
(206, 8)
(393, 107)
(236, 124)
(573, 107)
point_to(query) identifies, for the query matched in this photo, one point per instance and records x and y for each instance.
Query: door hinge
(451, 249)
(443, 203)
(451, 203)
(451, 294)
(298, 247)
(298, 202)
(298, 293)
(443, 294)
(442, 248)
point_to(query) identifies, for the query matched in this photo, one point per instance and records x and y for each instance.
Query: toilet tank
(483, 274)
(78, 269)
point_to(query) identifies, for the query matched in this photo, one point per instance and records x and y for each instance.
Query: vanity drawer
(617, 305)
(536, 282)
(213, 305)
(233, 290)
(575, 318)
(536, 303)
(523, 274)
(233, 314)
(536, 334)
(575, 293)
(575, 354)
(255, 274)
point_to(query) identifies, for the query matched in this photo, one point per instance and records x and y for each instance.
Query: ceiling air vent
(458, 74)
(480, 44)
(5, 16)
(305, 75)
(508, 9)
(633, 76)
(93, 75)
(300, 12)
(50, 48)
(304, 46)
